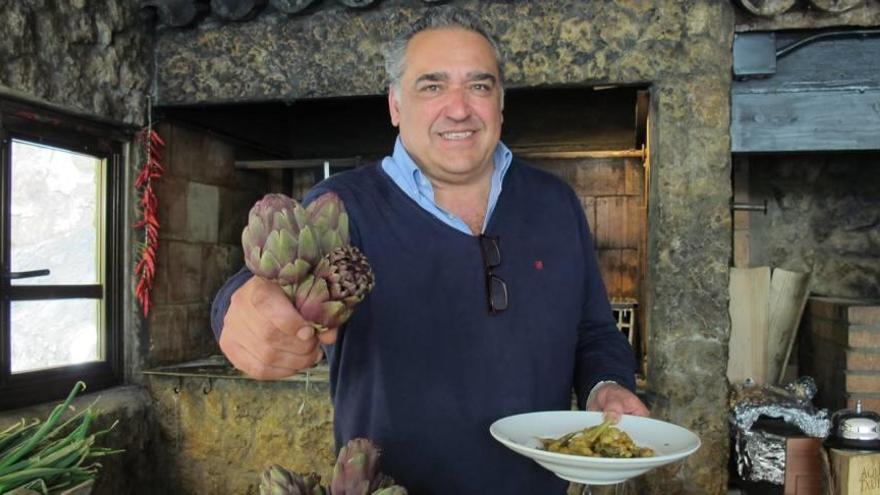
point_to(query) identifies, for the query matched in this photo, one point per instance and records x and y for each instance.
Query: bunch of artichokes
(356, 472)
(306, 251)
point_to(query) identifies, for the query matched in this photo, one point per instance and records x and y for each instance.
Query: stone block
(172, 214)
(167, 329)
(864, 337)
(202, 207)
(185, 265)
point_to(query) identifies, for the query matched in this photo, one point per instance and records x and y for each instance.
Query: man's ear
(393, 107)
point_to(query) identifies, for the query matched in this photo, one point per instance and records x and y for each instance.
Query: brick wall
(203, 206)
(840, 348)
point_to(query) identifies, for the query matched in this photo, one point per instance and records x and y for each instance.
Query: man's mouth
(456, 135)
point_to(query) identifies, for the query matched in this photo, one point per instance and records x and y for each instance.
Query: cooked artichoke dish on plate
(603, 440)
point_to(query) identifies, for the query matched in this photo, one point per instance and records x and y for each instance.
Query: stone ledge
(219, 367)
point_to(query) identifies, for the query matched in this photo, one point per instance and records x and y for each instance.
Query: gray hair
(436, 18)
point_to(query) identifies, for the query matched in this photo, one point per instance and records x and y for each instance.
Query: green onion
(49, 457)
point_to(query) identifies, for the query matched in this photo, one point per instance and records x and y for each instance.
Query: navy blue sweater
(423, 369)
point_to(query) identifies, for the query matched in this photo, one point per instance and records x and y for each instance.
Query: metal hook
(177, 388)
(208, 387)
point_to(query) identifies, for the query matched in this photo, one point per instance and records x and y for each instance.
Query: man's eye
(482, 87)
(430, 88)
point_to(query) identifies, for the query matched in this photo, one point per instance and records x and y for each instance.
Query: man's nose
(458, 105)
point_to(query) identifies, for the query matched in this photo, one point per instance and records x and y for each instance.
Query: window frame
(36, 124)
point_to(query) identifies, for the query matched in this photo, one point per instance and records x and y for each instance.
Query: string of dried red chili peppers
(152, 169)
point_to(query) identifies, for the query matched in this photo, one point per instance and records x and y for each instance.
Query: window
(60, 254)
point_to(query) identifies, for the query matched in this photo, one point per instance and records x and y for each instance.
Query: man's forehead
(440, 50)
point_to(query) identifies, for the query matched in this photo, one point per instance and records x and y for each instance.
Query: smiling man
(488, 300)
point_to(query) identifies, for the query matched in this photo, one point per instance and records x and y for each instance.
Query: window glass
(52, 333)
(55, 225)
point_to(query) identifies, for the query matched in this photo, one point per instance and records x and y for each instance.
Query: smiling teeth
(457, 135)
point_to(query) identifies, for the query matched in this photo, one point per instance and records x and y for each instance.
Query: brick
(172, 193)
(863, 360)
(167, 331)
(864, 337)
(202, 207)
(185, 267)
(863, 381)
(865, 315)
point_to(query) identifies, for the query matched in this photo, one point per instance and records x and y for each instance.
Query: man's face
(448, 107)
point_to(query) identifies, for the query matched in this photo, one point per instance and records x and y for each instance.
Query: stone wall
(823, 217)
(93, 57)
(682, 49)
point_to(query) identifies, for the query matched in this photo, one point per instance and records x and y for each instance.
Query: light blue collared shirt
(406, 174)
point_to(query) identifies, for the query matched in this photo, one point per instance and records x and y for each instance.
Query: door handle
(27, 274)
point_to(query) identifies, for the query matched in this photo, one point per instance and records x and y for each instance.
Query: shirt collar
(414, 182)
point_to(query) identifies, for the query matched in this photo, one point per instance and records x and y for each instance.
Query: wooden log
(836, 6)
(175, 13)
(291, 6)
(357, 4)
(767, 8)
(237, 10)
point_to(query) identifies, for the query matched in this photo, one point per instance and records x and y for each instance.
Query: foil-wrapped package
(760, 456)
(792, 403)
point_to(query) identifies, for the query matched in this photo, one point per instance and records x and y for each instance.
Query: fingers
(615, 401)
(263, 334)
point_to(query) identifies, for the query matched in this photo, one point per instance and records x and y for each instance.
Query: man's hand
(265, 336)
(615, 401)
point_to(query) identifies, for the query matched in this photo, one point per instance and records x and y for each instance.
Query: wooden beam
(299, 164)
(806, 121)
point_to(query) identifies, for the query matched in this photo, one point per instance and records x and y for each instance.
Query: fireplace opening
(594, 138)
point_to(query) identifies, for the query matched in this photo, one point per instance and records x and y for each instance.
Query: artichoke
(277, 480)
(283, 241)
(327, 297)
(357, 469)
(279, 245)
(327, 216)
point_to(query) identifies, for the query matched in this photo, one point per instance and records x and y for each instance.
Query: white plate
(522, 431)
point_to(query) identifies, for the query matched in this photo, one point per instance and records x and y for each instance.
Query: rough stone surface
(220, 433)
(680, 49)
(93, 58)
(823, 216)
